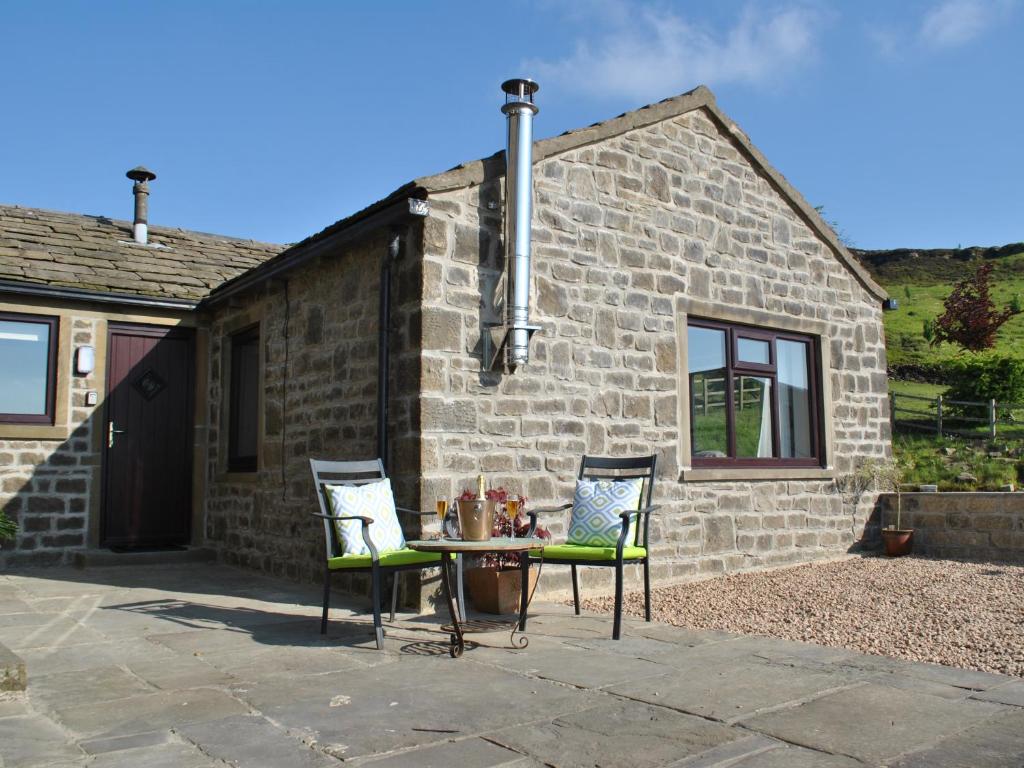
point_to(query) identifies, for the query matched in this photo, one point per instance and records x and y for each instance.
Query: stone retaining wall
(975, 526)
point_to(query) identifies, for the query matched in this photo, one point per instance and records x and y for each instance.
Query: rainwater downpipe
(384, 349)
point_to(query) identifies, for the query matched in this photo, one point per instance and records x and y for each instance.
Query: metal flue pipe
(140, 225)
(519, 109)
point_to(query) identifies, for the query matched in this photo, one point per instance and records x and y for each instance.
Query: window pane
(706, 355)
(244, 433)
(752, 350)
(24, 360)
(794, 400)
(752, 415)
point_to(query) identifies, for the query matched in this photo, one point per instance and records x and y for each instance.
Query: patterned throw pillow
(373, 500)
(596, 507)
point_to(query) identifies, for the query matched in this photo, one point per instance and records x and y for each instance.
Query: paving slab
(995, 743)
(731, 693)
(87, 686)
(581, 667)
(1008, 693)
(253, 742)
(466, 753)
(872, 723)
(148, 712)
(29, 740)
(210, 665)
(615, 733)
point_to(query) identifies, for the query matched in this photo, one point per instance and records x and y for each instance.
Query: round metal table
(496, 545)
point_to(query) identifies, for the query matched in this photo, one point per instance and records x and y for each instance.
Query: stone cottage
(688, 300)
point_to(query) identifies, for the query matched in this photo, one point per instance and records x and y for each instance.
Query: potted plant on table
(495, 583)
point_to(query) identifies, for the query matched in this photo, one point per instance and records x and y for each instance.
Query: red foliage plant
(971, 318)
(503, 525)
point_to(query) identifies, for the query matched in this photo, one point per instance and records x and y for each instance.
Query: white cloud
(646, 52)
(956, 22)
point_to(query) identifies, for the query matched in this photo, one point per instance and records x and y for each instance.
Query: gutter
(346, 231)
(102, 297)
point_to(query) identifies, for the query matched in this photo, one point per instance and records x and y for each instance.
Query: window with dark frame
(753, 396)
(28, 360)
(243, 410)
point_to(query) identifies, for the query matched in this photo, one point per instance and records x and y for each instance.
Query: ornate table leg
(456, 643)
(524, 603)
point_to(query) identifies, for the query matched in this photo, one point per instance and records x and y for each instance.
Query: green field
(903, 327)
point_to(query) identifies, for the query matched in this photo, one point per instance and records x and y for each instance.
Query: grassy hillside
(921, 280)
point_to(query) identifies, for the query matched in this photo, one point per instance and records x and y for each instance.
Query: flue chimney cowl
(140, 226)
(519, 109)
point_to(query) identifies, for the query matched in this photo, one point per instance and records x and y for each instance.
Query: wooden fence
(709, 394)
(957, 418)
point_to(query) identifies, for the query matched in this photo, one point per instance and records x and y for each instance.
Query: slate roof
(94, 253)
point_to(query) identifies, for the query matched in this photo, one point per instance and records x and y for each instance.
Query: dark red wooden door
(148, 437)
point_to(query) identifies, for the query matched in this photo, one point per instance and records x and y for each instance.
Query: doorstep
(103, 558)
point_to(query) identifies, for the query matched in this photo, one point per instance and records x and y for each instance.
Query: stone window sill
(34, 432)
(719, 474)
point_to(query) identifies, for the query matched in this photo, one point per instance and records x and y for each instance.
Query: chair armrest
(415, 512)
(547, 510)
(641, 511)
(366, 520)
(364, 530)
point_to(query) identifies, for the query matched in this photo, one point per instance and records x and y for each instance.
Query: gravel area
(961, 614)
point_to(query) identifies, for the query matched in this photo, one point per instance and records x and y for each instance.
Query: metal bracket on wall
(490, 353)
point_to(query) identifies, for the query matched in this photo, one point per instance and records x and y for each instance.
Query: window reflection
(706, 355)
(24, 360)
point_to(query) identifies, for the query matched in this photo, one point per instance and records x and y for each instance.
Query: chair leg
(394, 595)
(378, 627)
(617, 626)
(575, 590)
(461, 596)
(647, 589)
(327, 601)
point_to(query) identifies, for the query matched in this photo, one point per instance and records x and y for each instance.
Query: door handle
(111, 432)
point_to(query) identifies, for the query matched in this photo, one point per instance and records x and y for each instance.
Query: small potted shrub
(7, 527)
(898, 540)
(494, 585)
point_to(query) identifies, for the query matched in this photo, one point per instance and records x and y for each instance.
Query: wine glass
(512, 510)
(442, 513)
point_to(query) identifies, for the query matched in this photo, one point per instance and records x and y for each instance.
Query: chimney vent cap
(520, 89)
(139, 173)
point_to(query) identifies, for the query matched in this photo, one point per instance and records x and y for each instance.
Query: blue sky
(271, 120)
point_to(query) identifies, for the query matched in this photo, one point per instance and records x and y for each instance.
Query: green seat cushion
(397, 557)
(581, 552)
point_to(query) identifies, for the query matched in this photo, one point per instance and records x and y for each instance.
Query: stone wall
(48, 486)
(629, 233)
(970, 526)
(319, 346)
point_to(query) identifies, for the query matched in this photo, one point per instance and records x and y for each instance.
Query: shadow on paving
(161, 668)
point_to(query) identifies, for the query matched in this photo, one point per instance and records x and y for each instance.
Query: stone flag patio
(204, 665)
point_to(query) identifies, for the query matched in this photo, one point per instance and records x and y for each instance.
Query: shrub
(7, 527)
(971, 318)
(987, 377)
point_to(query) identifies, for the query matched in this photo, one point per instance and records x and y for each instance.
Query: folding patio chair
(612, 497)
(376, 510)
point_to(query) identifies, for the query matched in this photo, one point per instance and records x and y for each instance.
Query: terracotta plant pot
(494, 591)
(898, 541)
(476, 519)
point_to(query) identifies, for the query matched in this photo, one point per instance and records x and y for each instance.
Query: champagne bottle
(481, 489)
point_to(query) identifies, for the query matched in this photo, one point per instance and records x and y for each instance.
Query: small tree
(928, 330)
(971, 318)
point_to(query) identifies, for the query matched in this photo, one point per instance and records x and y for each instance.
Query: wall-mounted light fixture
(890, 305)
(85, 360)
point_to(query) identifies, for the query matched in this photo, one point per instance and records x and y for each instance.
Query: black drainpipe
(384, 350)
